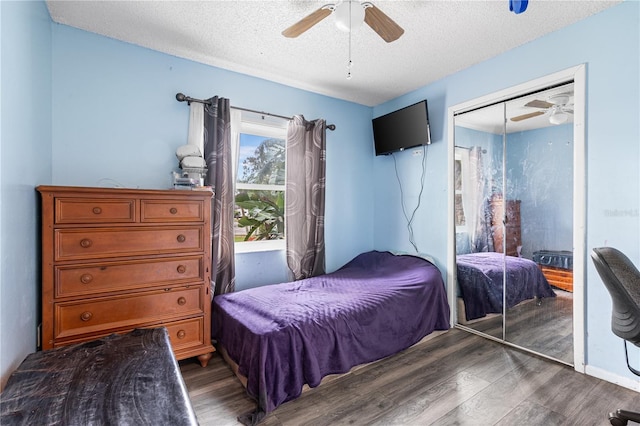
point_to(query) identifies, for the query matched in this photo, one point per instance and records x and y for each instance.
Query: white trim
(258, 246)
(579, 215)
(576, 74)
(625, 382)
(259, 187)
(264, 129)
(451, 222)
(272, 129)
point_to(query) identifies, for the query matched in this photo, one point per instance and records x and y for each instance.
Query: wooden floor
(457, 378)
(544, 326)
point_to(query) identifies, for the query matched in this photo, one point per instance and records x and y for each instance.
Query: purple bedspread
(286, 335)
(480, 279)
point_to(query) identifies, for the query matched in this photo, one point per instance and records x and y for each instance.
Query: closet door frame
(576, 74)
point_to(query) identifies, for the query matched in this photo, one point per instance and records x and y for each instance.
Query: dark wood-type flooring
(457, 378)
(544, 326)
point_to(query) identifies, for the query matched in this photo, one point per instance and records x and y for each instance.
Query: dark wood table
(129, 379)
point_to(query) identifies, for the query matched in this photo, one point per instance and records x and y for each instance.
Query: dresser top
(85, 190)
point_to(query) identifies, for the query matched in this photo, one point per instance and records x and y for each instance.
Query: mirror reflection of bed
(514, 222)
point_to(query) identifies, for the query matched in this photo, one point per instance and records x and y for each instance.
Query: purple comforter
(480, 280)
(285, 335)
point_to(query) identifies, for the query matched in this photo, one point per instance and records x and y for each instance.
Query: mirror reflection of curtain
(474, 200)
(217, 154)
(305, 197)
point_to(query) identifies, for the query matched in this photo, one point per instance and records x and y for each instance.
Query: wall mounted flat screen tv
(406, 128)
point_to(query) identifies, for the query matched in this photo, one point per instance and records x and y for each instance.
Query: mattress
(287, 335)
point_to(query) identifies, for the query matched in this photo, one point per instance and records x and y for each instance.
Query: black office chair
(622, 279)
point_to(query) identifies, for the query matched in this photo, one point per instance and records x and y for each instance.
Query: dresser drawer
(171, 211)
(127, 311)
(91, 279)
(92, 210)
(186, 334)
(71, 244)
(183, 334)
(558, 277)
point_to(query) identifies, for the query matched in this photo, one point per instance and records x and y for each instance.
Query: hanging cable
(404, 210)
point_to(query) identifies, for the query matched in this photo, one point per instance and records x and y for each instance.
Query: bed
(284, 336)
(480, 282)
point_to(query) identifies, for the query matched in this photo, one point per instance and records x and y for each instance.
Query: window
(260, 184)
(459, 170)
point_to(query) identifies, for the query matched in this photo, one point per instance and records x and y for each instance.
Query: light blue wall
(261, 268)
(540, 175)
(609, 44)
(116, 117)
(25, 158)
(113, 115)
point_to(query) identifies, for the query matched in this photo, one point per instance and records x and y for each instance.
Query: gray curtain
(304, 197)
(217, 154)
(476, 203)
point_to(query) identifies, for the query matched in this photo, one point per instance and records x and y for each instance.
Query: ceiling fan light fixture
(558, 117)
(561, 99)
(349, 15)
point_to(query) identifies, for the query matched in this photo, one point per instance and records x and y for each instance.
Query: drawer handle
(181, 301)
(181, 238)
(173, 210)
(85, 243)
(181, 269)
(181, 334)
(86, 278)
(86, 316)
(97, 210)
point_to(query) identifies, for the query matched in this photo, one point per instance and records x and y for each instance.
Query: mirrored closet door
(514, 221)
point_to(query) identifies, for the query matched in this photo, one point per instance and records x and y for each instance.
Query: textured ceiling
(441, 37)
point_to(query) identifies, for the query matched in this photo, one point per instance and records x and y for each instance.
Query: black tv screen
(406, 128)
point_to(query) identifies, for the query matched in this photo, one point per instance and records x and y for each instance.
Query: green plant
(261, 213)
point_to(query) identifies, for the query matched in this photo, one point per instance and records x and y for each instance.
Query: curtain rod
(182, 98)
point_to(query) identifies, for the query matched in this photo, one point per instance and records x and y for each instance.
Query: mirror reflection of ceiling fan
(350, 15)
(557, 107)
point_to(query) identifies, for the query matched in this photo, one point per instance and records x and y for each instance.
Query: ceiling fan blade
(308, 21)
(381, 23)
(539, 104)
(526, 116)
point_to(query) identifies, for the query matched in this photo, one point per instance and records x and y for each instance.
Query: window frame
(255, 124)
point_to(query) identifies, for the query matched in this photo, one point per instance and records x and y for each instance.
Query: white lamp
(349, 15)
(558, 117)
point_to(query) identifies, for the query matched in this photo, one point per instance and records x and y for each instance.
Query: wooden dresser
(511, 232)
(116, 259)
(557, 267)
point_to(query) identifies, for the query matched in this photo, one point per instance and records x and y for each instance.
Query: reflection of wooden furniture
(510, 233)
(557, 267)
(558, 277)
(118, 259)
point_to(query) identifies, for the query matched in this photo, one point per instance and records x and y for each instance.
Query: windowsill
(259, 246)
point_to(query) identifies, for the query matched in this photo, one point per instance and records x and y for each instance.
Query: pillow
(424, 256)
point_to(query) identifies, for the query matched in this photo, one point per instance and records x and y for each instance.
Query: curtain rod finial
(181, 97)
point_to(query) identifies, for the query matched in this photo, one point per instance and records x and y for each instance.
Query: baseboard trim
(613, 378)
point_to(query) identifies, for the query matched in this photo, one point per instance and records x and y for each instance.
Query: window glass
(260, 187)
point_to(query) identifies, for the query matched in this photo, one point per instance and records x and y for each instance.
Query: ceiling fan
(350, 15)
(557, 107)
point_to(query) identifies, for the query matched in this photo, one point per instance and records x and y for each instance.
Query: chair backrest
(622, 279)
